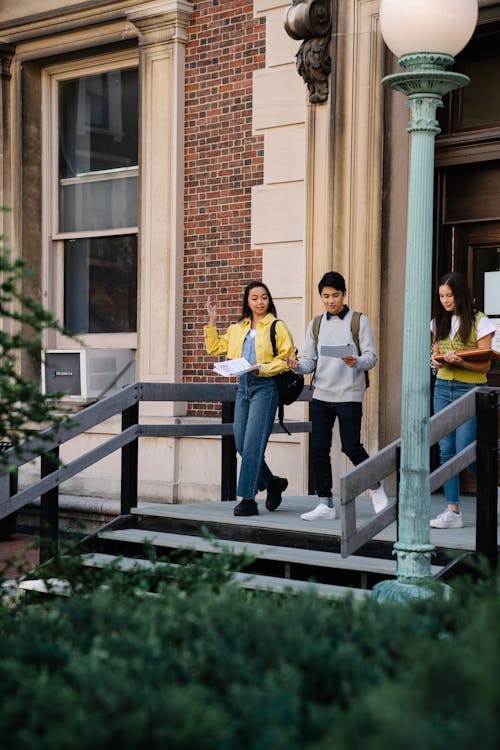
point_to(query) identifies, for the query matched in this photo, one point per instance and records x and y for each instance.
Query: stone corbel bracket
(311, 20)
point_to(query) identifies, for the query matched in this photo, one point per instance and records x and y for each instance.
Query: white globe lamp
(420, 26)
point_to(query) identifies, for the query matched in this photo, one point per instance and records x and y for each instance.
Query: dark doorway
(468, 172)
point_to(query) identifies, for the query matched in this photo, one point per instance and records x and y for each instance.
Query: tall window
(95, 209)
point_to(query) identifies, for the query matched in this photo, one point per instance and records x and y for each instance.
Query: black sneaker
(246, 508)
(277, 486)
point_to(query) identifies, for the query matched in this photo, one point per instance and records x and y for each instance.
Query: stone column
(162, 39)
(6, 54)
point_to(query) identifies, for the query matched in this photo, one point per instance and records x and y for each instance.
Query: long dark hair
(247, 313)
(464, 307)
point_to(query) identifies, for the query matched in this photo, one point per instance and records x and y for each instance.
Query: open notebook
(474, 355)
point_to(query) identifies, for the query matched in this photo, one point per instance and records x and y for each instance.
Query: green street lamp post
(425, 35)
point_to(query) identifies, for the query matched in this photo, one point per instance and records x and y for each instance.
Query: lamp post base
(399, 593)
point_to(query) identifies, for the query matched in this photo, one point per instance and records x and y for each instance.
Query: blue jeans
(445, 393)
(255, 409)
(323, 415)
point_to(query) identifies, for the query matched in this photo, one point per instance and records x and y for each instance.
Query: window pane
(471, 192)
(480, 100)
(100, 284)
(100, 202)
(98, 151)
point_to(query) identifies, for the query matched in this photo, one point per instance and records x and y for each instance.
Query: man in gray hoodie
(339, 386)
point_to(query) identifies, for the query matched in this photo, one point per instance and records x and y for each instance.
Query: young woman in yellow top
(257, 394)
(456, 326)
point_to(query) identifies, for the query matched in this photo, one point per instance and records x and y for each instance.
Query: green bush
(218, 667)
(24, 409)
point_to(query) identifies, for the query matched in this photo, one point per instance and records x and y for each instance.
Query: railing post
(130, 454)
(398, 480)
(487, 457)
(228, 458)
(49, 509)
(9, 523)
(311, 483)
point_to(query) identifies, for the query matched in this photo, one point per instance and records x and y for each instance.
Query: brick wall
(223, 160)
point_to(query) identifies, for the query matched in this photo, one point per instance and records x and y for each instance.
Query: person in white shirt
(456, 326)
(339, 387)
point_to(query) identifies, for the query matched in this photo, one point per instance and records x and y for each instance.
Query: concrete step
(55, 586)
(61, 587)
(245, 580)
(291, 555)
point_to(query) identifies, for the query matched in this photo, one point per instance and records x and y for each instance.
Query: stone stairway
(287, 553)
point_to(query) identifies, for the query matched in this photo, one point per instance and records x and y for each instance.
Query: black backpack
(290, 384)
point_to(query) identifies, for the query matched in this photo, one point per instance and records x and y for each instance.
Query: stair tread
(246, 580)
(288, 521)
(262, 551)
(101, 559)
(57, 586)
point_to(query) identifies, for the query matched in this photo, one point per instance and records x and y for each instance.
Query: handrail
(87, 418)
(63, 473)
(385, 462)
(126, 402)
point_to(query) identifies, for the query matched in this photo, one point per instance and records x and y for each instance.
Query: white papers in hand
(347, 350)
(232, 367)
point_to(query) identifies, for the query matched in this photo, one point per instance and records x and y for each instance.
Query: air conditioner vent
(87, 374)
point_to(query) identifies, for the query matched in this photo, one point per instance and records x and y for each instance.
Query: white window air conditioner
(86, 375)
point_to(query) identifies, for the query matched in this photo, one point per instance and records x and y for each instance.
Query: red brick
(223, 160)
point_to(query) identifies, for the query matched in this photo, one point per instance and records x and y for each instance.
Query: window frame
(478, 143)
(53, 239)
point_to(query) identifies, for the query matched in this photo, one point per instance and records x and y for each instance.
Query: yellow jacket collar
(247, 322)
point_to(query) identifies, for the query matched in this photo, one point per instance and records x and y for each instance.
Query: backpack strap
(316, 325)
(355, 329)
(315, 331)
(273, 337)
(355, 320)
(281, 408)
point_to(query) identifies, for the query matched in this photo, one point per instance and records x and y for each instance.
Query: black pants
(323, 415)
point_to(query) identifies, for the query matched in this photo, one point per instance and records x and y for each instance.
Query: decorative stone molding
(311, 20)
(6, 55)
(163, 20)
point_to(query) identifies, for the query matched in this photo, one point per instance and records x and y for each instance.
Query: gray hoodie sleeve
(307, 362)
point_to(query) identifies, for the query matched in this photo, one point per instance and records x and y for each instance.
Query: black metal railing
(126, 403)
(481, 401)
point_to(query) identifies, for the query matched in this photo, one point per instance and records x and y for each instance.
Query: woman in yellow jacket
(257, 394)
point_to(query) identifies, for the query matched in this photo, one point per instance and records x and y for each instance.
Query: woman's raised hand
(212, 311)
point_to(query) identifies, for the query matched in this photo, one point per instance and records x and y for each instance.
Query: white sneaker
(321, 511)
(379, 498)
(448, 519)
